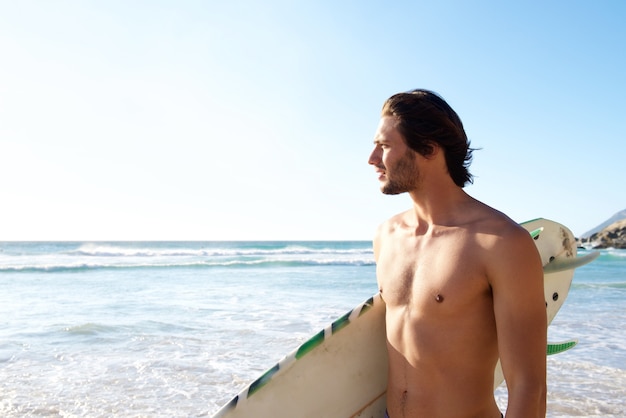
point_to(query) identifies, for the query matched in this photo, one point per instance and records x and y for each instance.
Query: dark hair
(425, 118)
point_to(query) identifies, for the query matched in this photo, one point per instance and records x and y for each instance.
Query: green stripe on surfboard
(313, 342)
(261, 381)
(534, 234)
(318, 338)
(336, 326)
(556, 348)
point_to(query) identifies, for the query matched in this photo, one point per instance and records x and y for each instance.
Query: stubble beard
(405, 176)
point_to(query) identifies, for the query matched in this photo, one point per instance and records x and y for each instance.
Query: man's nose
(374, 158)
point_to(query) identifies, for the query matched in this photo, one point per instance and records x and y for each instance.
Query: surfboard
(341, 371)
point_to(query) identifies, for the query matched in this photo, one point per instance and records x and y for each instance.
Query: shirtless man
(462, 282)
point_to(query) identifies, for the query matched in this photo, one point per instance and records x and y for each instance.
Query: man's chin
(391, 191)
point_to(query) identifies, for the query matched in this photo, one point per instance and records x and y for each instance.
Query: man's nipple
(439, 298)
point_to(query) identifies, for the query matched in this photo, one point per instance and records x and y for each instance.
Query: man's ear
(433, 150)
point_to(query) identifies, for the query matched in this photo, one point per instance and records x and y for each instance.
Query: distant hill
(617, 217)
(613, 236)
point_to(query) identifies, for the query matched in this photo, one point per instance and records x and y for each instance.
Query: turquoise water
(175, 329)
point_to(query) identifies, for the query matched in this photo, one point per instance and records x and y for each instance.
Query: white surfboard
(341, 372)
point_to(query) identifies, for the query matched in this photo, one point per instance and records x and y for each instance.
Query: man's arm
(516, 277)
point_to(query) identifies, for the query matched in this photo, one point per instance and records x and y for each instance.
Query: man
(462, 282)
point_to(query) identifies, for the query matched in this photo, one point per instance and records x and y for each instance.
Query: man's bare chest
(445, 270)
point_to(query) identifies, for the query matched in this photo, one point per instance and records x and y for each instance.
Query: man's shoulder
(503, 245)
(493, 228)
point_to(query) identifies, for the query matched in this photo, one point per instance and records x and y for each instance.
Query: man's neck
(442, 207)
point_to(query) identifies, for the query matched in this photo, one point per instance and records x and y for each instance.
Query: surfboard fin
(569, 263)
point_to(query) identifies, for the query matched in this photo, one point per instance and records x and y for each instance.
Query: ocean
(175, 329)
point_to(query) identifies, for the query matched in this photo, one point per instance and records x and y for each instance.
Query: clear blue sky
(254, 120)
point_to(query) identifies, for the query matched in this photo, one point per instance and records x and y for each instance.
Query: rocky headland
(612, 236)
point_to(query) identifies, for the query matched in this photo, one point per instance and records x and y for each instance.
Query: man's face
(394, 161)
